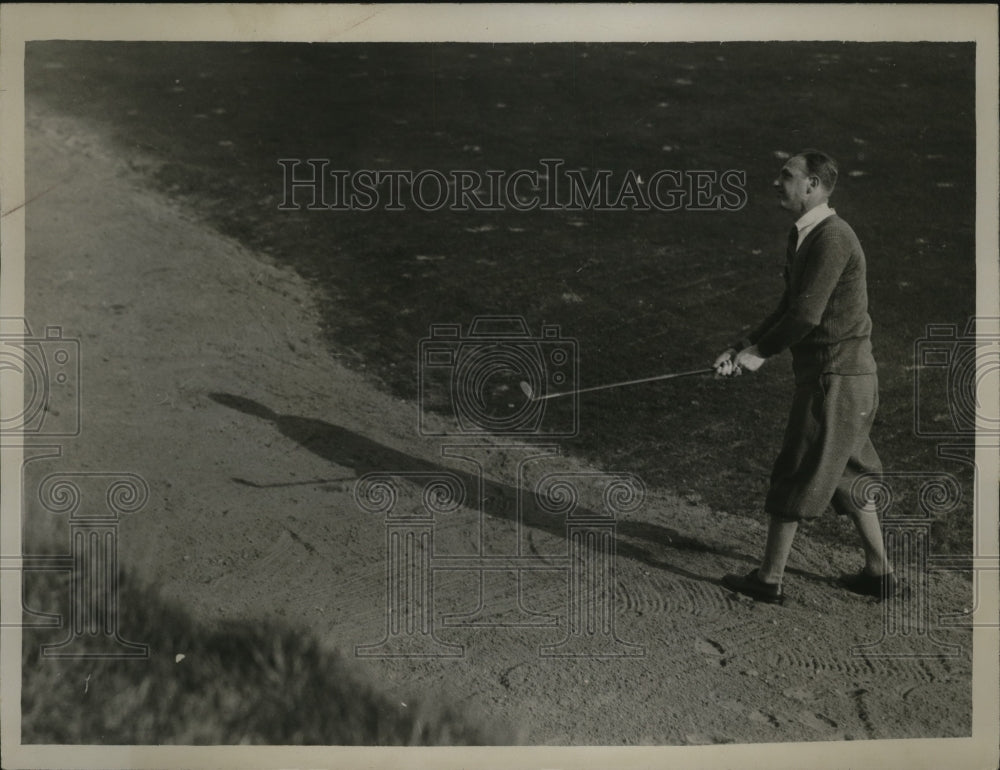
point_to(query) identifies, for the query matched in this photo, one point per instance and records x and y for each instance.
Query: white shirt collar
(814, 216)
(810, 219)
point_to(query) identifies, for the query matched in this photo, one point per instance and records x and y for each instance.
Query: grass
(652, 292)
(238, 683)
(649, 292)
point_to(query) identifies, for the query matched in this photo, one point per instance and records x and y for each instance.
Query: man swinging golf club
(823, 319)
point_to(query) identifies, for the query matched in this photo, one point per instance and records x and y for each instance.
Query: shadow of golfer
(362, 455)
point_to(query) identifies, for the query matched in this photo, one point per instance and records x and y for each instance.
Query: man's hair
(822, 166)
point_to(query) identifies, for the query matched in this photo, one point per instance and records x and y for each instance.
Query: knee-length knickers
(826, 447)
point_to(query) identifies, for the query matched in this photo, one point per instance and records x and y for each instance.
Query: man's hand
(725, 365)
(749, 359)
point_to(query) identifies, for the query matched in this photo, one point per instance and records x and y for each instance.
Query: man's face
(794, 186)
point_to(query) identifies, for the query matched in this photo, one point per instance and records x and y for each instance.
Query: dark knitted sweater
(823, 314)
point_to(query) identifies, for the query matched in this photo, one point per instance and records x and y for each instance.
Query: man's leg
(867, 524)
(780, 534)
(794, 461)
(877, 578)
(764, 583)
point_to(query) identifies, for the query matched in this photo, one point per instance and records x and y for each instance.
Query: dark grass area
(237, 683)
(641, 292)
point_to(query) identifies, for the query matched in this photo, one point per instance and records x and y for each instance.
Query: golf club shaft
(628, 382)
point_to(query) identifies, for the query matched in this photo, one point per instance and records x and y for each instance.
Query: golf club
(526, 388)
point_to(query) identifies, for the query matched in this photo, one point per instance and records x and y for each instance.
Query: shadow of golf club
(348, 449)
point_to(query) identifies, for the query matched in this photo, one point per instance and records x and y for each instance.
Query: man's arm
(765, 326)
(726, 363)
(825, 263)
(799, 313)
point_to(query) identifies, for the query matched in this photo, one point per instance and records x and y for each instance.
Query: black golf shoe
(751, 585)
(878, 586)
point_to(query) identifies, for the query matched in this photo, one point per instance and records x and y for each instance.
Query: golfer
(823, 319)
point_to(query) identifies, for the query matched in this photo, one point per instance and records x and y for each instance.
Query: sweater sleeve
(804, 308)
(766, 324)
